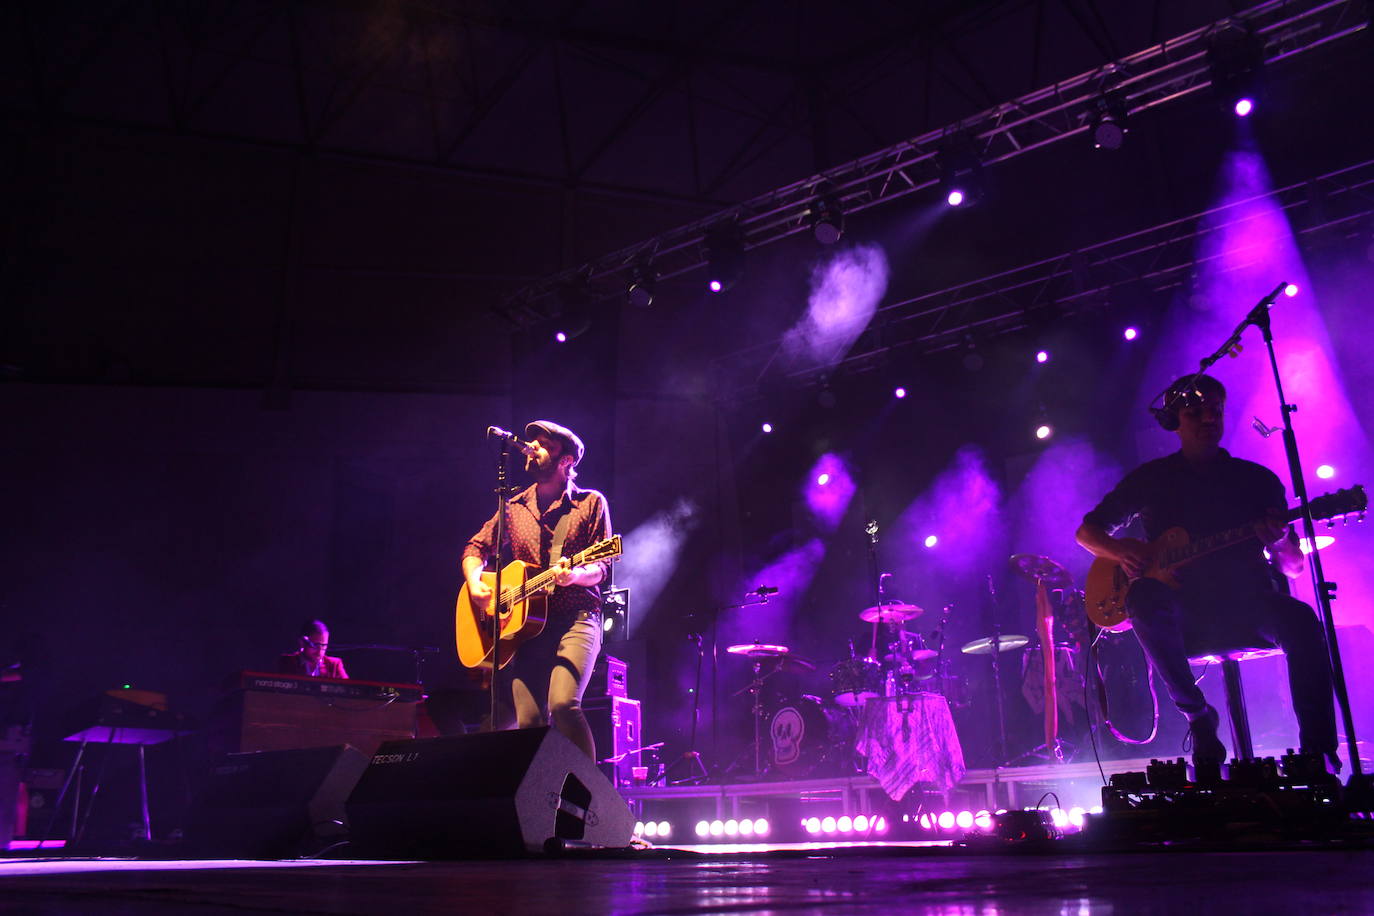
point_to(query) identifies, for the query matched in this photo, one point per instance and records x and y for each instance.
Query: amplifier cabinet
(615, 724)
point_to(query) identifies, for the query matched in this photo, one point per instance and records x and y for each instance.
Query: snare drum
(805, 734)
(855, 680)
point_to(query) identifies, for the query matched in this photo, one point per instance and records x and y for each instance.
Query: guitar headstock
(607, 550)
(1350, 501)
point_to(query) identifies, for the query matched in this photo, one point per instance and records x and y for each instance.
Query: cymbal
(984, 646)
(785, 656)
(1038, 568)
(890, 613)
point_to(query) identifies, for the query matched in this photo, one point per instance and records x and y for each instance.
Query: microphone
(510, 438)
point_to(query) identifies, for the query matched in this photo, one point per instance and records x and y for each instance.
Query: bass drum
(807, 738)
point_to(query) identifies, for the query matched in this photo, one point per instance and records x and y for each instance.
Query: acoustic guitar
(1108, 585)
(523, 607)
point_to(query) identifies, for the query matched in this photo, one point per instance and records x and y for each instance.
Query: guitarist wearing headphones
(550, 521)
(1229, 598)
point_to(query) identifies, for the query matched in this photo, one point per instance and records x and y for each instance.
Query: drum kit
(801, 734)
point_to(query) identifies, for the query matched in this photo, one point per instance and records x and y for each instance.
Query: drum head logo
(787, 730)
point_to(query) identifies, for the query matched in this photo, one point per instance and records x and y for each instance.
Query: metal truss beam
(1156, 76)
(1159, 258)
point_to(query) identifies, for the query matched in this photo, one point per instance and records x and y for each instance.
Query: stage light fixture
(643, 283)
(724, 257)
(826, 215)
(1235, 66)
(572, 309)
(964, 820)
(1042, 356)
(761, 826)
(1107, 123)
(1044, 431)
(767, 427)
(1130, 333)
(1290, 290)
(822, 480)
(946, 820)
(861, 824)
(828, 825)
(899, 392)
(931, 540)
(813, 825)
(961, 172)
(1326, 471)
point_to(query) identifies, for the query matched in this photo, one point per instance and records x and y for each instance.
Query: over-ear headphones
(1166, 417)
(1186, 392)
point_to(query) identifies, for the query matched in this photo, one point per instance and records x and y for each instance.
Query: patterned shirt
(531, 535)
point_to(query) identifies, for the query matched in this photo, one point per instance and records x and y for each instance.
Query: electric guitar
(1108, 585)
(523, 607)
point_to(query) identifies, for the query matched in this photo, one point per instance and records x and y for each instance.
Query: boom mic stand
(692, 757)
(502, 523)
(1323, 589)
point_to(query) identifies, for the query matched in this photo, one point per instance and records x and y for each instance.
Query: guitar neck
(539, 581)
(1214, 542)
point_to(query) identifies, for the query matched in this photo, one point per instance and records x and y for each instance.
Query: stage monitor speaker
(274, 804)
(489, 794)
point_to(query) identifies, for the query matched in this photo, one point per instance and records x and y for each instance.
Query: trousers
(549, 676)
(1174, 625)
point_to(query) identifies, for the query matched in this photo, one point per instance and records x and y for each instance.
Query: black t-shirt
(1226, 493)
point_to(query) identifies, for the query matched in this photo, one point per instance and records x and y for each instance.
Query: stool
(1242, 747)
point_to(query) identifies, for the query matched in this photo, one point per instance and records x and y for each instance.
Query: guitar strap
(560, 534)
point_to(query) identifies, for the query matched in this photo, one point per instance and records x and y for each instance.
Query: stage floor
(922, 881)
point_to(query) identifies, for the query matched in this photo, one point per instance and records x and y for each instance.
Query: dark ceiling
(338, 194)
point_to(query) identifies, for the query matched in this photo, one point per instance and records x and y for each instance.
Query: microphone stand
(1323, 589)
(502, 509)
(755, 597)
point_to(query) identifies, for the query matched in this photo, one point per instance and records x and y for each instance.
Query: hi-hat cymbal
(890, 613)
(984, 646)
(1038, 568)
(785, 656)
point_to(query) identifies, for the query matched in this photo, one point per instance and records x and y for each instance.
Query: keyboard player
(312, 659)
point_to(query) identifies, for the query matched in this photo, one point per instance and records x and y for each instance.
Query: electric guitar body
(1107, 587)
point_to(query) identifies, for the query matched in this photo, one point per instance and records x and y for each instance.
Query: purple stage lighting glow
(1290, 290)
(931, 540)
(1042, 357)
(899, 392)
(714, 286)
(1326, 471)
(830, 490)
(767, 427)
(1044, 431)
(955, 198)
(1130, 333)
(561, 337)
(1244, 107)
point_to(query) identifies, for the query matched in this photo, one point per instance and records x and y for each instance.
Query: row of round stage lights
(844, 825)
(1069, 820)
(653, 830)
(733, 828)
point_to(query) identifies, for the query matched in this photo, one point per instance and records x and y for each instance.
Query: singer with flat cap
(548, 522)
